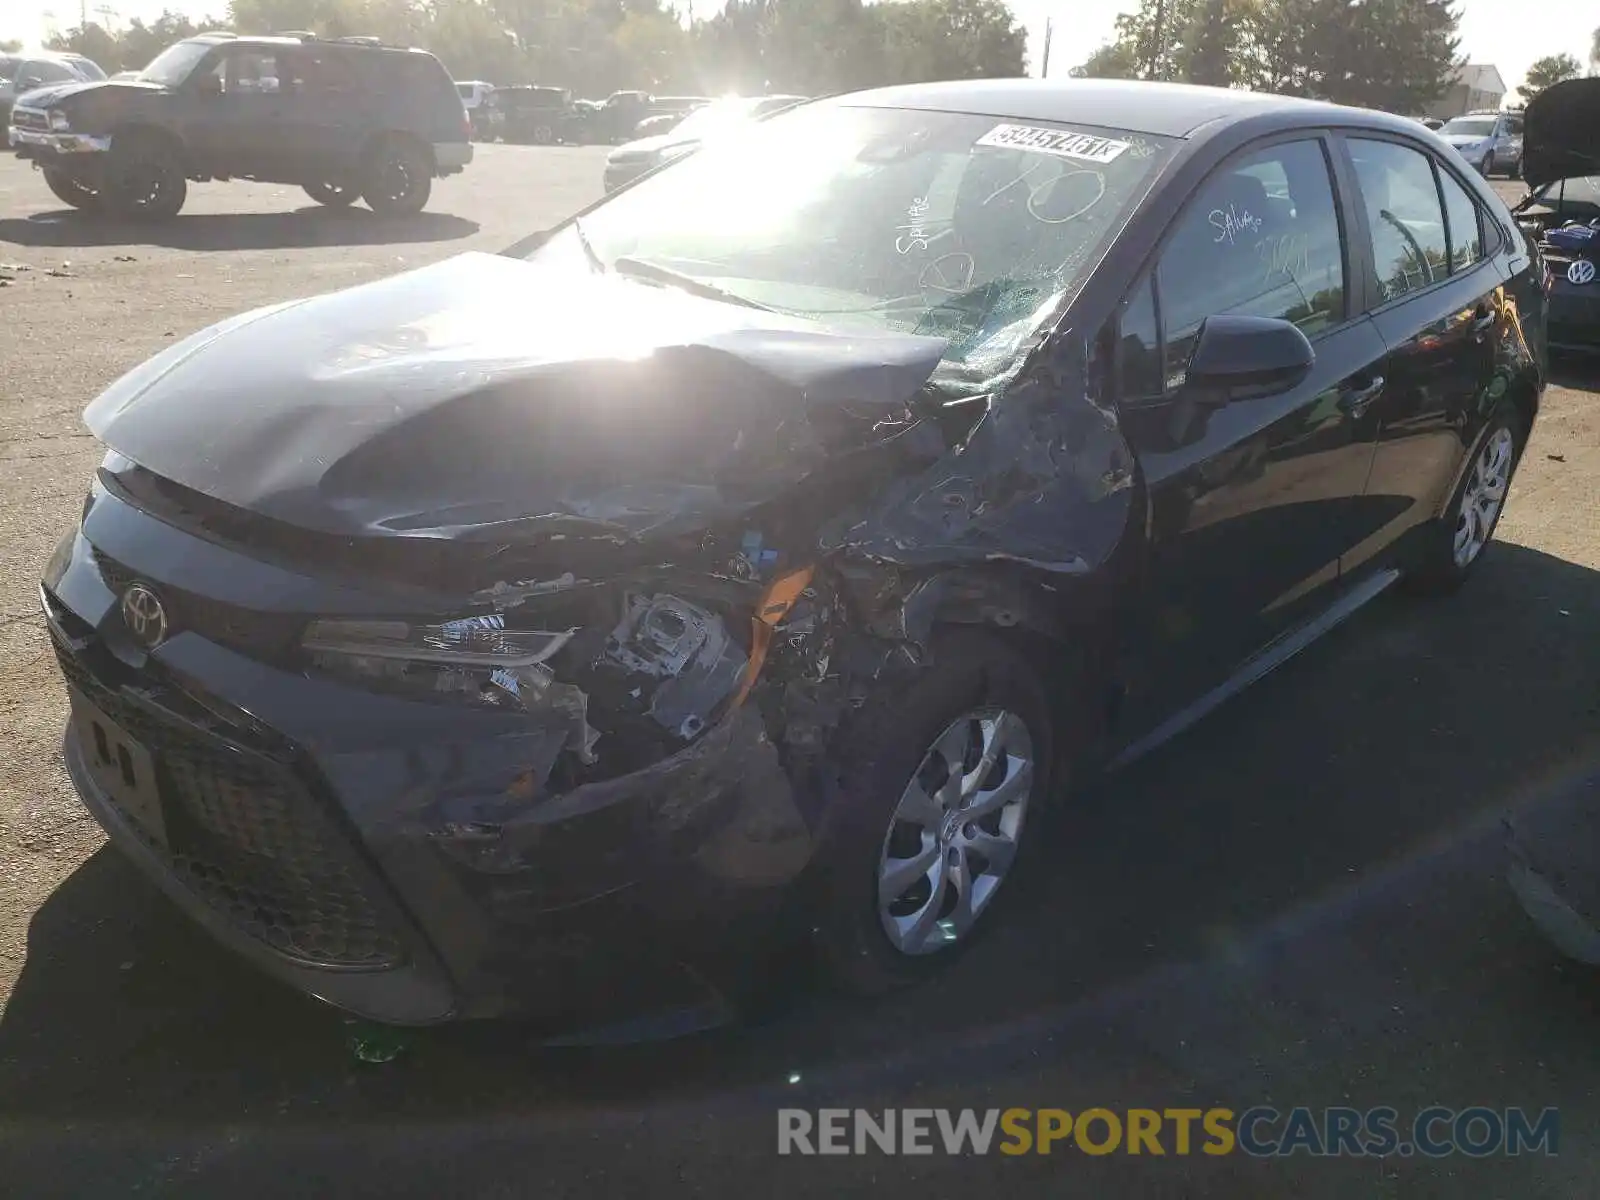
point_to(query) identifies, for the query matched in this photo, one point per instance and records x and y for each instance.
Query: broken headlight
(482, 641)
(481, 658)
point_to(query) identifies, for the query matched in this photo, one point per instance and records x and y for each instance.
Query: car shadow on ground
(1413, 723)
(1580, 372)
(304, 227)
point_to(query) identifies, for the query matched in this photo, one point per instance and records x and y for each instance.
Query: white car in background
(1489, 141)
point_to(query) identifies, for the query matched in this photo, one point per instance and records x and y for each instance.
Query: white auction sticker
(1061, 142)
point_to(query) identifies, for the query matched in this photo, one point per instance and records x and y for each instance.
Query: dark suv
(342, 118)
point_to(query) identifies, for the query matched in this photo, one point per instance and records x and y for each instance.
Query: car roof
(1162, 109)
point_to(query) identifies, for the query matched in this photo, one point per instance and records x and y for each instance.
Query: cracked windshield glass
(948, 224)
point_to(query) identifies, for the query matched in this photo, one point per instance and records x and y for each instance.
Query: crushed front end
(580, 823)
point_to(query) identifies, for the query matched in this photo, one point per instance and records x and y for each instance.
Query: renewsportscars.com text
(1261, 1132)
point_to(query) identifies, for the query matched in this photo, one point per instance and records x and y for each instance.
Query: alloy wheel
(954, 834)
(1484, 496)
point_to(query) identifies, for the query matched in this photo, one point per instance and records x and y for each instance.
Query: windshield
(172, 66)
(947, 224)
(1473, 126)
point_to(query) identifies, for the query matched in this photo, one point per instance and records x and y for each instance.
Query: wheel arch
(1066, 629)
(159, 134)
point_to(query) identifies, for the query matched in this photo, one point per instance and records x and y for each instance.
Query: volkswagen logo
(143, 615)
(1581, 272)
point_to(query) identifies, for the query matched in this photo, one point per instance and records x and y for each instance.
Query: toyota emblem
(1581, 272)
(143, 615)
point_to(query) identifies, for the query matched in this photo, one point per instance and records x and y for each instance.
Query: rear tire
(334, 195)
(143, 179)
(71, 190)
(398, 178)
(1459, 539)
(978, 695)
(1487, 166)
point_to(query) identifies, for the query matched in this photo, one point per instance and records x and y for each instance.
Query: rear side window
(1410, 248)
(1261, 239)
(1463, 225)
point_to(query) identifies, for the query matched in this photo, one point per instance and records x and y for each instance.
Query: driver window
(252, 73)
(1261, 239)
(1404, 216)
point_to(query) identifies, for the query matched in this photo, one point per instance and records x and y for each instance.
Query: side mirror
(208, 85)
(1242, 358)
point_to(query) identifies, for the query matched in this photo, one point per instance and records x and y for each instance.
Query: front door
(246, 112)
(1251, 505)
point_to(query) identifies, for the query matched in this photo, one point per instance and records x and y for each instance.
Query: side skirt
(1261, 664)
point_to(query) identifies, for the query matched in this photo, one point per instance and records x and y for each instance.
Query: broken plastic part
(688, 649)
(504, 595)
(534, 687)
(774, 605)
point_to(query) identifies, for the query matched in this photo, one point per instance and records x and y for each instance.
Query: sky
(1508, 33)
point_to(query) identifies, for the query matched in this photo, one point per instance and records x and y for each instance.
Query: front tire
(1458, 539)
(143, 179)
(939, 779)
(1487, 166)
(399, 178)
(71, 190)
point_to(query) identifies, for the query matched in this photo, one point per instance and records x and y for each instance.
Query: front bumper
(42, 146)
(390, 856)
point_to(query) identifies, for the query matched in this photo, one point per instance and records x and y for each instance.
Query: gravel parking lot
(1300, 902)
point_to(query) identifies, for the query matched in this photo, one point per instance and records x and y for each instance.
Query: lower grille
(245, 836)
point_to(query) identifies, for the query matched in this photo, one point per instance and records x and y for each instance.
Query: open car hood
(1561, 133)
(485, 392)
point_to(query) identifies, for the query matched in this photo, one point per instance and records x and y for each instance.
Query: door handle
(1353, 401)
(1484, 321)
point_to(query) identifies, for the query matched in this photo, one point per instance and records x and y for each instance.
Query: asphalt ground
(1300, 902)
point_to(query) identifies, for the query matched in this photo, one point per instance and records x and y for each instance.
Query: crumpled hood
(1561, 132)
(56, 94)
(484, 392)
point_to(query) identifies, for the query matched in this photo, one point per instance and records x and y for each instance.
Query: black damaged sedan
(741, 566)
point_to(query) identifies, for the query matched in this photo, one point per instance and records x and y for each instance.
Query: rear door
(1251, 505)
(1440, 305)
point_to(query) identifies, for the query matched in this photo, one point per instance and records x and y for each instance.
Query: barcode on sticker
(1063, 143)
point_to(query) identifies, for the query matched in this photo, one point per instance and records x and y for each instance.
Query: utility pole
(1044, 67)
(1157, 39)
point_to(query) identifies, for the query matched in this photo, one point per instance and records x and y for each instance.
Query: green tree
(1114, 60)
(1214, 49)
(93, 42)
(10, 46)
(1551, 69)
